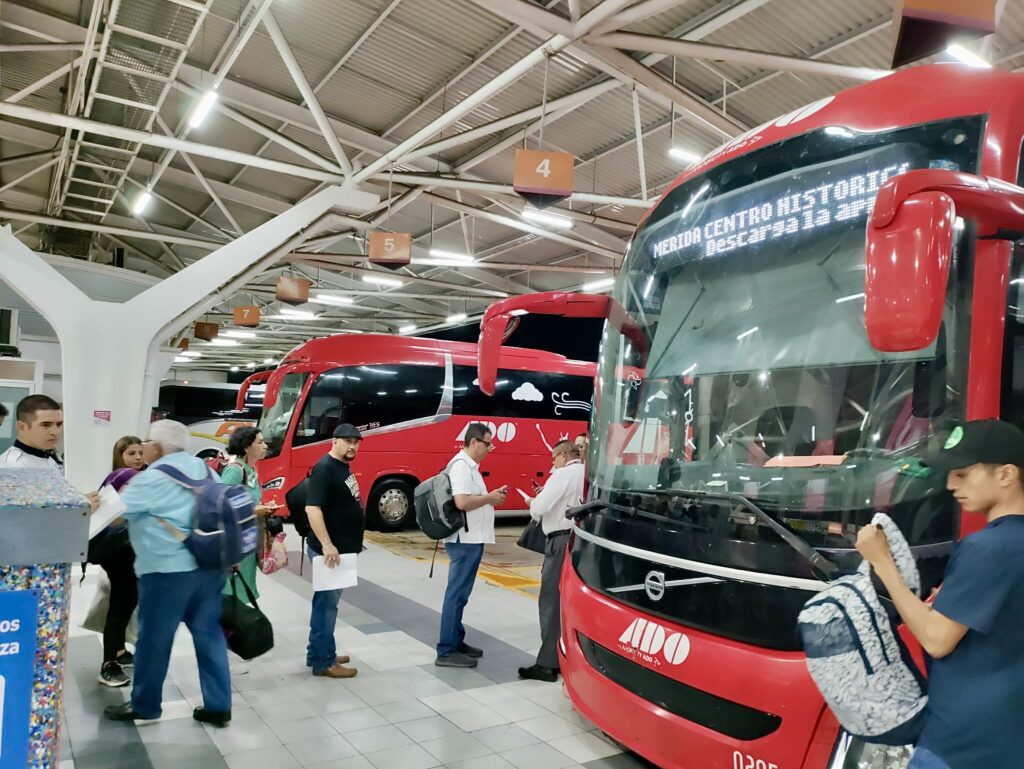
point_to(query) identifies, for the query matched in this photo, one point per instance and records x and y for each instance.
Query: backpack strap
(180, 478)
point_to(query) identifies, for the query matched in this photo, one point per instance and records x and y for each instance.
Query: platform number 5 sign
(392, 249)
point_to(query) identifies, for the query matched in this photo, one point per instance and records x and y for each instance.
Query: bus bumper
(684, 699)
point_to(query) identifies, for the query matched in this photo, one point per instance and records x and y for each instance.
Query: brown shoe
(337, 671)
(343, 659)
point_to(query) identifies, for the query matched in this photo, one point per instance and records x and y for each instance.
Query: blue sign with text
(19, 610)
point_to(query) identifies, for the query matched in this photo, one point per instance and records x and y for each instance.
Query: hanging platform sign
(925, 27)
(390, 249)
(246, 316)
(206, 331)
(19, 610)
(543, 177)
(183, 344)
(292, 290)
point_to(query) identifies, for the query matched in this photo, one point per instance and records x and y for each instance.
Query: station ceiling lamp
(557, 221)
(379, 280)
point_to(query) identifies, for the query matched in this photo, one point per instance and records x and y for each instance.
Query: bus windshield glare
(757, 377)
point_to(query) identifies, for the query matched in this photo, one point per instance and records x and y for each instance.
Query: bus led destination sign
(783, 208)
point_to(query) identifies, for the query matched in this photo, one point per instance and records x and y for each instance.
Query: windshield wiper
(822, 565)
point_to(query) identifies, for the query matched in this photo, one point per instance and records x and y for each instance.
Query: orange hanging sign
(925, 27)
(291, 290)
(246, 316)
(206, 331)
(539, 172)
(393, 249)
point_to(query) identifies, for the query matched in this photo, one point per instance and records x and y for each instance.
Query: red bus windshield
(759, 380)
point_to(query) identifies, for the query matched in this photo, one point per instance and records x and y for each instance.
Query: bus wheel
(391, 507)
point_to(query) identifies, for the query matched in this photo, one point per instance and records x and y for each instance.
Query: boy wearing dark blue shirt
(974, 630)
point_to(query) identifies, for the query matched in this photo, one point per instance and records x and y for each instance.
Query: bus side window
(323, 410)
(389, 394)
(1012, 400)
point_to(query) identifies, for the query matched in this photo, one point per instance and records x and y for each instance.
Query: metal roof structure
(422, 102)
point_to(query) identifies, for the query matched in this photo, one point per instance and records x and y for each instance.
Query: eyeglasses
(486, 443)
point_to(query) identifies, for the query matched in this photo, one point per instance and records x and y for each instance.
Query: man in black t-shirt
(336, 520)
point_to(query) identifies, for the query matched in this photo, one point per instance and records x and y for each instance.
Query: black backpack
(295, 500)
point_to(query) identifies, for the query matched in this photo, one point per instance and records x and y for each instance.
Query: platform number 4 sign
(543, 177)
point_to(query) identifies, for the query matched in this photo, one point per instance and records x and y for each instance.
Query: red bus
(778, 338)
(413, 398)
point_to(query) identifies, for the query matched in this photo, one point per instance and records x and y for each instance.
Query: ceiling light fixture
(237, 334)
(407, 329)
(965, 56)
(234, 368)
(456, 318)
(332, 299)
(454, 256)
(289, 314)
(218, 342)
(377, 280)
(203, 107)
(142, 201)
(686, 156)
(190, 354)
(180, 359)
(598, 285)
(544, 217)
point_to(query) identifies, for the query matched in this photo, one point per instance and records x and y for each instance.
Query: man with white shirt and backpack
(465, 547)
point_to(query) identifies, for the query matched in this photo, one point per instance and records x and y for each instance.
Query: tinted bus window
(369, 397)
(187, 403)
(524, 394)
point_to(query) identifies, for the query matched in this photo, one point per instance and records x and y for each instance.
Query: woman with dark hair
(112, 551)
(128, 453)
(246, 447)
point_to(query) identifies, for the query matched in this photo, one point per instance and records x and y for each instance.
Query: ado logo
(652, 643)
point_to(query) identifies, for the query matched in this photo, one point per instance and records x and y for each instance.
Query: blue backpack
(225, 529)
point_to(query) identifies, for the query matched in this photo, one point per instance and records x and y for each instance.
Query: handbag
(533, 538)
(107, 544)
(247, 630)
(274, 554)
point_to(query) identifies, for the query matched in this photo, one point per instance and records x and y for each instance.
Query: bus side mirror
(908, 256)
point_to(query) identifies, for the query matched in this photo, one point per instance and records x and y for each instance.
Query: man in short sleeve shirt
(975, 628)
(465, 548)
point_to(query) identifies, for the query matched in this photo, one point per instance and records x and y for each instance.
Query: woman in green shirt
(246, 447)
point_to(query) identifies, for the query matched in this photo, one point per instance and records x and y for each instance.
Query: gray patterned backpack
(859, 664)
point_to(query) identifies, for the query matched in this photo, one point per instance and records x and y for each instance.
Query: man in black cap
(974, 629)
(336, 520)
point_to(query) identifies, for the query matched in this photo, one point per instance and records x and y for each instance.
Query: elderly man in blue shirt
(172, 589)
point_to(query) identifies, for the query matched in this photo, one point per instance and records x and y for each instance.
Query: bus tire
(390, 505)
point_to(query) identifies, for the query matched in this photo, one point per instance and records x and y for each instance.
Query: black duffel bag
(247, 630)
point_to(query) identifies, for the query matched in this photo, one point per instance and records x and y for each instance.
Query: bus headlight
(853, 753)
(274, 483)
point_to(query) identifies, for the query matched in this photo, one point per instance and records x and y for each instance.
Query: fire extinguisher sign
(18, 617)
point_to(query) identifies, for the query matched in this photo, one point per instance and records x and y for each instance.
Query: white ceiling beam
(28, 216)
(308, 95)
(639, 12)
(771, 61)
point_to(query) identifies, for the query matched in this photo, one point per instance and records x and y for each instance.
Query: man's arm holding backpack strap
(937, 633)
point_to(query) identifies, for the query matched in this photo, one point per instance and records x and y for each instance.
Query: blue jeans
(925, 759)
(165, 601)
(464, 560)
(321, 652)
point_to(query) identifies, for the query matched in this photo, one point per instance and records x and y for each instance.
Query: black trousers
(124, 595)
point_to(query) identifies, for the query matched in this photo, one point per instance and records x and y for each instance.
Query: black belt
(558, 533)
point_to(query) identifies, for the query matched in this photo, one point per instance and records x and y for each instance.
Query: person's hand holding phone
(498, 495)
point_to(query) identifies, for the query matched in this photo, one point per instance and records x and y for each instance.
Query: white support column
(109, 350)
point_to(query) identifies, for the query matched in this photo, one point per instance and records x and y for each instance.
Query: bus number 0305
(743, 761)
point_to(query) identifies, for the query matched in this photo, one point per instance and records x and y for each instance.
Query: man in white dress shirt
(39, 426)
(563, 490)
(465, 548)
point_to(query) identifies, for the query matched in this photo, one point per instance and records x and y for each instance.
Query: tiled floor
(401, 712)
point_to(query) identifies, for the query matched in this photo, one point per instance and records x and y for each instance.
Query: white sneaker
(238, 668)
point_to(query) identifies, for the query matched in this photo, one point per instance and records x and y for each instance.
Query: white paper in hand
(111, 507)
(341, 576)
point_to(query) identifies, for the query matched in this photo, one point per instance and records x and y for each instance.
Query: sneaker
(111, 675)
(125, 659)
(212, 717)
(538, 673)
(238, 668)
(336, 671)
(124, 712)
(455, 660)
(470, 651)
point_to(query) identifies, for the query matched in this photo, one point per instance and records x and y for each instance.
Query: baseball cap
(347, 431)
(987, 441)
